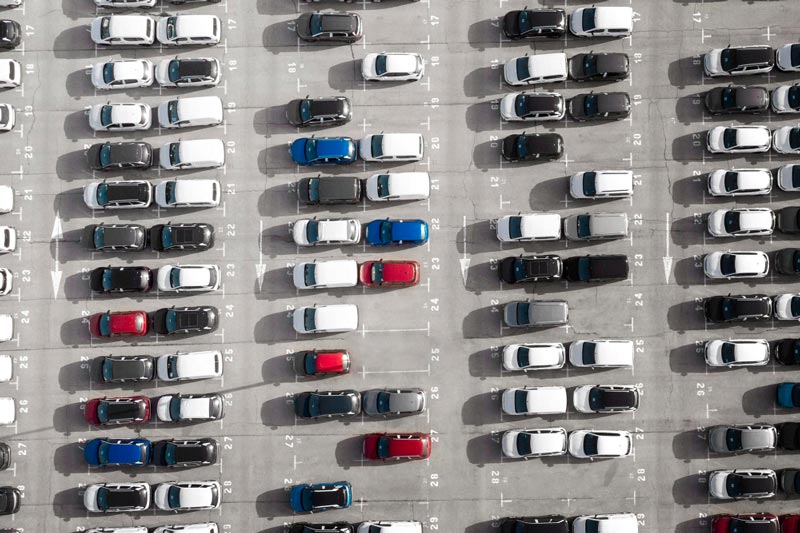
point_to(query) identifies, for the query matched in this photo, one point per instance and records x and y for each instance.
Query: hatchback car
(190, 112)
(532, 106)
(720, 309)
(392, 66)
(396, 232)
(745, 523)
(118, 324)
(119, 156)
(741, 222)
(787, 261)
(385, 273)
(188, 495)
(181, 236)
(10, 34)
(535, 69)
(605, 398)
(738, 139)
(737, 99)
(600, 106)
(117, 411)
(531, 400)
(788, 395)
(122, 74)
(188, 278)
(601, 353)
(786, 99)
(323, 151)
(596, 226)
(601, 21)
(117, 452)
(735, 265)
(189, 453)
(120, 117)
(532, 147)
(189, 30)
(183, 366)
(786, 140)
(525, 443)
(606, 523)
(318, 497)
(188, 72)
(533, 356)
(192, 154)
(536, 314)
(740, 182)
(8, 117)
(787, 57)
(10, 73)
(605, 66)
(391, 147)
(116, 497)
(386, 402)
(325, 274)
(592, 444)
(321, 362)
(596, 268)
(529, 227)
(531, 268)
(118, 194)
(123, 30)
(190, 407)
(746, 484)
(397, 446)
(126, 368)
(329, 111)
(327, 404)
(786, 306)
(121, 279)
(188, 193)
(742, 438)
(601, 184)
(186, 320)
(325, 318)
(532, 23)
(398, 186)
(330, 190)
(327, 232)
(739, 60)
(329, 26)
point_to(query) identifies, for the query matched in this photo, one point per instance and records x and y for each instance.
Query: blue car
(385, 232)
(321, 497)
(789, 395)
(323, 151)
(117, 452)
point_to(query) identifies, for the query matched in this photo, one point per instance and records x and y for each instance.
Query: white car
(740, 182)
(8, 119)
(392, 66)
(789, 178)
(8, 239)
(325, 318)
(761, 483)
(786, 140)
(606, 523)
(6, 199)
(734, 265)
(10, 73)
(391, 147)
(786, 306)
(605, 398)
(123, 30)
(133, 529)
(188, 495)
(188, 193)
(538, 68)
(534, 400)
(325, 274)
(190, 112)
(738, 60)
(6, 281)
(118, 194)
(529, 227)
(208, 527)
(181, 366)
(601, 22)
(532, 106)
(189, 30)
(539, 356)
(590, 444)
(122, 74)
(603, 353)
(390, 526)
(787, 57)
(8, 411)
(601, 184)
(103, 497)
(738, 139)
(125, 3)
(398, 186)
(120, 117)
(188, 278)
(6, 368)
(733, 352)
(192, 154)
(741, 222)
(190, 407)
(10, 3)
(786, 99)
(188, 72)
(524, 443)
(330, 231)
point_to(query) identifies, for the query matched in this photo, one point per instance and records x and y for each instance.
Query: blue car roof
(125, 453)
(337, 147)
(409, 230)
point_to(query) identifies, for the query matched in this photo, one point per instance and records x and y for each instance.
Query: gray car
(329, 190)
(329, 26)
(742, 438)
(536, 313)
(114, 237)
(393, 402)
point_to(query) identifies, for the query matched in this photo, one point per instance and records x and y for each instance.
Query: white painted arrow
(464, 261)
(667, 259)
(55, 236)
(261, 268)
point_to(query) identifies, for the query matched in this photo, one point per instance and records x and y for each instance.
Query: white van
(398, 186)
(325, 274)
(188, 193)
(391, 147)
(601, 353)
(199, 153)
(390, 526)
(534, 400)
(190, 112)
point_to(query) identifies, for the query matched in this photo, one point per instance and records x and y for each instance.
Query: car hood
(788, 219)
(293, 112)
(508, 106)
(783, 306)
(509, 443)
(716, 485)
(302, 25)
(580, 398)
(712, 61)
(510, 71)
(716, 439)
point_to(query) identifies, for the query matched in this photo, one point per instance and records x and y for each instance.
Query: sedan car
(188, 495)
(122, 74)
(174, 236)
(740, 182)
(609, 66)
(385, 273)
(321, 362)
(189, 453)
(600, 106)
(745, 523)
(396, 232)
(8, 117)
(738, 308)
(532, 23)
(533, 356)
(397, 446)
(596, 268)
(746, 484)
(786, 99)
(735, 265)
(126, 368)
(190, 407)
(787, 261)
(323, 151)
(392, 66)
(601, 184)
(183, 366)
(531, 268)
(186, 320)
(327, 404)
(592, 444)
(738, 139)
(329, 26)
(329, 232)
(118, 194)
(602, 21)
(117, 452)
(120, 156)
(111, 280)
(123, 30)
(532, 147)
(329, 111)
(325, 318)
(536, 313)
(742, 438)
(188, 278)
(116, 497)
(118, 324)
(120, 117)
(787, 395)
(786, 140)
(385, 402)
(532, 106)
(739, 60)
(318, 497)
(531, 400)
(10, 73)
(189, 30)
(737, 99)
(529, 227)
(789, 178)
(525, 443)
(605, 398)
(741, 222)
(188, 72)
(601, 353)
(786, 306)
(117, 411)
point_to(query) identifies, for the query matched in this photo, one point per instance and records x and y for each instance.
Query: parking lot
(443, 335)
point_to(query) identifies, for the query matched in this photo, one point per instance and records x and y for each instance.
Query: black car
(331, 111)
(121, 279)
(743, 59)
(332, 527)
(531, 23)
(9, 500)
(597, 67)
(186, 236)
(787, 351)
(600, 106)
(596, 268)
(533, 146)
(530, 268)
(185, 453)
(787, 261)
(329, 190)
(789, 481)
(186, 320)
(738, 308)
(10, 33)
(737, 99)
(5, 455)
(120, 155)
(114, 237)
(535, 524)
(320, 404)
(788, 219)
(194, 72)
(789, 435)
(126, 368)
(535, 106)
(341, 27)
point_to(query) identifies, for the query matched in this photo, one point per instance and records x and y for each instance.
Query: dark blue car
(323, 151)
(789, 395)
(117, 452)
(319, 497)
(385, 232)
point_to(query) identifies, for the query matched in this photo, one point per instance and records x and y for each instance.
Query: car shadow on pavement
(79, 83)
(75, 332)
(548, 193)
(76, 126)
(68, 504)
(274, 328)
(487, 526)
(485, 364)
(276, 158)
(76, 287)
(68, 459)
(279, 200)
(481, 277)
(277, 241)
(272, 503)
(487, 33)
(690, 191)
(686, 316)
(485, 449)
(693, 525)
(349, 452)
(689, 148)
(690, 108)
(483, 323)
(277, 412)
(72, 165)
(75, 43)
(485, 82)
(687, 359)
(483, 116)
(761, 400)
(346, 76)
(687, 273)
(278, 370)
(75, 376)
(685, 71)
(689, 445)
(688, 231)
(480, 237)
(481, 409)
(69, 418)
(690, 490)
(280, 36)
(276, 286)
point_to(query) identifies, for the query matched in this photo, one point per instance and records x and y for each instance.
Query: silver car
(536, 313)
(393, 402)
(742, 438)
(747, 484)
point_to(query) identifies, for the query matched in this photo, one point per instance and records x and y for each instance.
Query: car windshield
(732, 221)
(102, 498)
(312, 231)
(589, 188)
(108, 72)
(524, 443)
(382, 403)
(383, 185)
(523, 312)
(175, 408)
(172, 111)
(733, 485)
(102, 194)
(728, 352)
(172, 366)
(102, 412)
(166, 237)
(171, 27)
(728, 98)
(386, 231)
(728, 58)
(376, 145)
(383, 447)
(308, 274)
(108, 370)
(731, 181)
(523, 357)
(376, 272)
(590, 444)
(596, 399)
(305, 111)
(315, 24)
(175, 278)
(309, 318)
(587, 353)
(733, 438)
(172, 320)
(105, 115)
(587, 20)
(102, 453)
(795, 306)
(522, 68)
(793, 95)
(520, 401)
(727, 264)
(105, 325)
(174, 497)
(174, 154)
(590, 65)
(794, 138)
(592, 526)
(313, 190)
(307, 497)
(729, 138)
(105, 155)
(521, 105)
(105, 25)
(169, 192)
(522, 147)
(169, 454)
(584, 270)
(795, 55)
(380, 64)
(524, 21)
(590, 107)
(583, 226)
(174, 70)
(515, 227)
(311, 149)
(108, 280)
(310, 363)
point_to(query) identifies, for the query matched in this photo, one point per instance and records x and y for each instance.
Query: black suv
(189, 236)
(121, 279)
(186, 320)
(331, 111)
(126, 368)
(319, 404)
(738, 308)
(329, 190)
(533, 146)
(114, 237)
(535, 524)
(120, 155)
(596, 268)
(185, 453)
(598, 67)
(600, 106)
(530, 268)
(788, 219)
(787, 261)
(341, 27)
(10, 33)
(737, 99)
(530, 23)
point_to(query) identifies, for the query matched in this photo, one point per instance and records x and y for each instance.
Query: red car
(383, 446)
(316, 362)
(745, 523)
(119, 324)
(790, 523)
(388, 273)
(117, 411)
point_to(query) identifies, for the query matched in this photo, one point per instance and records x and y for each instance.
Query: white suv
(325, 318)
(123, 30)
(330, 232)
(529, 227)
(601, 184)
(182, 366)
(188, 193)
(539, 68)
(391, 147)
(188, 278)
(190, 112)
(189, 30)
(534, 400)
(524, 443)
(601, 21)
(398, 186)
(325, 274)
(601, 354)
(194, 153)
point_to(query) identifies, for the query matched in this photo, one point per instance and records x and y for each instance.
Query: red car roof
(406, 447)
(330, 362)
(398, 272)
(128, 323)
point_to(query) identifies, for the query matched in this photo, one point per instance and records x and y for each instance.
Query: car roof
(755, 219)
(194, 25)
(614, 17)
(546, 63)
(196, 67)
(401, 62)
(333, 146)
(195, 190)
(539, 225)
(548, 311)
(338, 22)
